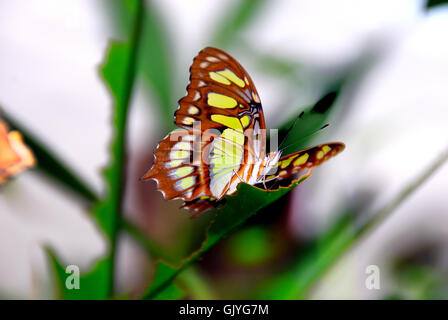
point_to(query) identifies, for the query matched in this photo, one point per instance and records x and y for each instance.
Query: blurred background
(384, 65)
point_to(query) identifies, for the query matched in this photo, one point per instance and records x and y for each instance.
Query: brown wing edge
(159, 172)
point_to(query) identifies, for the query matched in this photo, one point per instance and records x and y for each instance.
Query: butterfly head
(271, 163)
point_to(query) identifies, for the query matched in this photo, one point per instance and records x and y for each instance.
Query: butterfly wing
(221, 106)
(175, 170)
(219, 87)
(290, 166)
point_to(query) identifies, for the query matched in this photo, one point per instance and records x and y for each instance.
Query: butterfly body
(222, 138)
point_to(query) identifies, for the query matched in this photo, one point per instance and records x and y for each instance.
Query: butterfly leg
(264, 183)
(239, 177)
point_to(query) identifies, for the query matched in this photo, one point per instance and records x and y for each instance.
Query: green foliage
(155, 59)
(434, 3)
(420, 282)
(251, 246)
(195, 284)
(295, 282)
(118, 72)
(247, 202)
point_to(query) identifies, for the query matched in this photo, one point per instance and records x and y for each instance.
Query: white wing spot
(222, 56)
(182, 146)
(197, 96)
(193, 110)
(212, 59)
(188, 121)
(255, 96)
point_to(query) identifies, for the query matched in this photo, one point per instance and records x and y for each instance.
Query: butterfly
(222, 139)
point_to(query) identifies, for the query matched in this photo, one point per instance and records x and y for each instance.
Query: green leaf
(118, 72)
(418, 281)
(162, 282)
(173, 292)
(194, 282)
(434, 3)
(93, 284)
(308, 269)
(248, 201)
(156, 59)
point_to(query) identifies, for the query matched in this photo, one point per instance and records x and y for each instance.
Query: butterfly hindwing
(291, 165)
(178, 169)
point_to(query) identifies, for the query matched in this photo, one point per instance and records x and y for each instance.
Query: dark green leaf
(434, 3)
(248, 201)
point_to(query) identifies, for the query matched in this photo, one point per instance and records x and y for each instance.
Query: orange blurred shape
(15, 156)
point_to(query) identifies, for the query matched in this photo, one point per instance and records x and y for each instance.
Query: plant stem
(120, 139)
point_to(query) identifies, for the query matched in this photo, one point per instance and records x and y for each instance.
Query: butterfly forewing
(220, 93)
(222, 105)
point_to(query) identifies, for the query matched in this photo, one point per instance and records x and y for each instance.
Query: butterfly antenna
(303, 138)
(290, 128)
